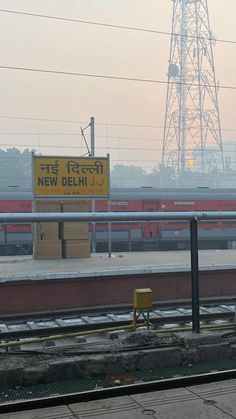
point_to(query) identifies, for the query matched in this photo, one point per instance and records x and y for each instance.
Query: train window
(210, 222)
(223, 221)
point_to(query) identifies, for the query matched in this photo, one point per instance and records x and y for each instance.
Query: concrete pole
(92, 140)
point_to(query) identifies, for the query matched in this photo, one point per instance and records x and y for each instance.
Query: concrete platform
(28, 285)
(217, 400)
(25, 268)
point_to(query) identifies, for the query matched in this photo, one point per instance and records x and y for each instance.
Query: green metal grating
(182, 371)
(92, 383)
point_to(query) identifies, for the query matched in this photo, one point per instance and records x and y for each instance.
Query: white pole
(92, 136)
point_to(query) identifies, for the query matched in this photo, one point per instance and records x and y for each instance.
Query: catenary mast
(192, 132)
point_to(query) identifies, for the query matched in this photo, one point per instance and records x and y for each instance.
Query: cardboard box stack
(47, 244)
(61, 240)
(75, 235)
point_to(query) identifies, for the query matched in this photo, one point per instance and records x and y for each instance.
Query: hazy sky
(48, 44)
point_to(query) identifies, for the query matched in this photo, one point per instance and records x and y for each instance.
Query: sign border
(70, 197)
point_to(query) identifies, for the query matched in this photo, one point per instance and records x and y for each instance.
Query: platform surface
(24, 267)
(208, 401)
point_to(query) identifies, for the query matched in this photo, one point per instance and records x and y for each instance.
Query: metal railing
(116, 216)
(192, 217)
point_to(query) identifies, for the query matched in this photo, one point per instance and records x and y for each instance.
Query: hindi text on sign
(60, 176)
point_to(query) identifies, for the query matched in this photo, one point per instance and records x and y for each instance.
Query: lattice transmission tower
(192, 132)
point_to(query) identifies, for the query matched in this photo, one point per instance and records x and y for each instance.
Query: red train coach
(17, 239)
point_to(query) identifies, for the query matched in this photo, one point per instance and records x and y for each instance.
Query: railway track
(162, 318)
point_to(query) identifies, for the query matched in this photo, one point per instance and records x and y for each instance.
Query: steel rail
(104, 217)
(192, 217)
(104, 309)
(156, 321)
(47, 331)
(124, 390)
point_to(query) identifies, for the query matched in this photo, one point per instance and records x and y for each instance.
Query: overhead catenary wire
(76, 134)
(130, 161)
(110, 137)
(113, 137)
(114, 26)
(105, 147)
(74, 121)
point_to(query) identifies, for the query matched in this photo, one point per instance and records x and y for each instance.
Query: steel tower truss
(192, 133)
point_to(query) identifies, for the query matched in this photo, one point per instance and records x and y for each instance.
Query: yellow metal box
(142, 298)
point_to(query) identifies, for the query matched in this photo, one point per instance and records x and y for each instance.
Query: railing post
(194, 276)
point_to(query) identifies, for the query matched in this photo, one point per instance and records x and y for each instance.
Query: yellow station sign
(60, 176)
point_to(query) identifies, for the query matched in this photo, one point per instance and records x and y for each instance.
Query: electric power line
(107, 77)
(67, 121)
(109, 25)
